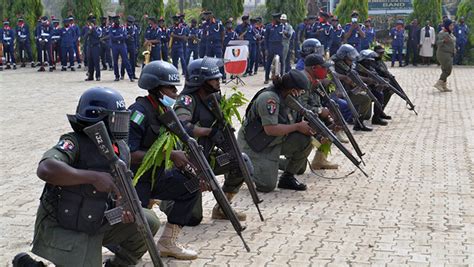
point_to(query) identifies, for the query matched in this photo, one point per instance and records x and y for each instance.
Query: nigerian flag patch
(137, 117)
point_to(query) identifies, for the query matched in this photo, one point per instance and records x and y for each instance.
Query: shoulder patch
(65, 145)
(271, 106)
(137, 117)
(187, 100)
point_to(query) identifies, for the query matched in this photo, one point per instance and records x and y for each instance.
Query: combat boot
(168, 246)
(439, 85)
(218, 214)
(320, 162)
(445, 87)
(24, 260)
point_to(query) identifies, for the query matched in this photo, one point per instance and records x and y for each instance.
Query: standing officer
(269, 131)
(325, 32)
(179, 34)
(397, 34)
(202, 34)
(23, 42)
(160, 79)
(311, 27)
(70, 227)
(131, 42)
(105, 43)
(118, 36)
(37, 30)
(354, 32)
(273, 42)
(44, 38)
(84, 36)
(299, 38)
(413, 42)
(153, 39)
(369, 38)
(245, 30)
(461, 31)
(230, 35)
(215, 37)
(77, 40)
(165, 35)
(287, 37)
(192, 110)
(67, 43)
(8, 40)
(259, 33)
(93, 36)
(55, 42)
(193, 41)
(337, 36)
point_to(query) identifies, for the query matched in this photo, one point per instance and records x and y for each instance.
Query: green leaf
(325, 148)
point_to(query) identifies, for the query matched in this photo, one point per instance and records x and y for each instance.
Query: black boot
(362, 127)
(288, 181)
(24, 260)
(385, 116)
(379, 121)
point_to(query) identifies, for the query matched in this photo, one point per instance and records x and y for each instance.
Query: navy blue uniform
(84, 36)
(369, 38)
(37, 29)
(260, 50)
(299, 31)
(397, 44)
(67, 50)
(93, 36)
(8, 40)
(310, 30)
(214, 32)
(203, 38)
(56, 44)
(118, 36)
(193, 43)
(154, 34)
(44, 38)
(77, 36)
(355, 37)
(249, 34)
(461, 31)
(131, 42)
(273, 45)
(337, 38)
(165, 35)
(23, 41)
(105, 45)
(178, 46)
(324, 35)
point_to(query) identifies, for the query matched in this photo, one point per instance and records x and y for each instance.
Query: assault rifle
(317, 125)
(374, 75)
(232, 151)
(171, 121)
(354, 76)
(123, 180)
(339, 119)
(342, 90)
(394, 82)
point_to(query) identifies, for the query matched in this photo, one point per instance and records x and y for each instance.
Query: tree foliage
(224, 9)
(466, 10)
(138, 8)
(14, 9)
(171, 9)
(345, 7)
(424, 10)
(81, 9)
(294, 9)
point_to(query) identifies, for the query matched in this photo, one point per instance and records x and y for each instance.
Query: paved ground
(416, 208)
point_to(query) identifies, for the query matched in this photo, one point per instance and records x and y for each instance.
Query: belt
(117, 42)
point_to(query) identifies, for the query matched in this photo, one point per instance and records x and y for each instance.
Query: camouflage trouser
(446, 61)
(70, 248)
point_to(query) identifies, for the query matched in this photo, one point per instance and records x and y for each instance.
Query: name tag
(460, 31)
(395, 37)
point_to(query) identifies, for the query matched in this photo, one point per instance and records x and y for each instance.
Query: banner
(390, 7)
(235, 59)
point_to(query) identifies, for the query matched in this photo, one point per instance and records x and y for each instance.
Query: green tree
(171, 10)
(81, 9)
(345, 7)
(138, 8)
(224, 9)
(424, 10)
(295, 10)
(29, 10)
(466, 10)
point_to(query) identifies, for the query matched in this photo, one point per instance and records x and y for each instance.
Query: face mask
(167, 101)
(354, 20)
(320, 73)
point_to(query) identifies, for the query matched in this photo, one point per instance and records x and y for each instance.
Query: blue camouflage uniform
(118, 36)
(193, 43)
(131, 42)
(273, 45)
(354, 39)
(23, 41)
(93, 36)
(337, 38)
(67, 50)
(397, 44)
(461, 31)
(369, 38)
(178, 46)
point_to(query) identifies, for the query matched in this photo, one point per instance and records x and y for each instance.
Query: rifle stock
(123, 179)
(317, 125)
(172, 122)
(233, 148)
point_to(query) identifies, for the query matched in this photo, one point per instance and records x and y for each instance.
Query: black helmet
(347, 50)
(158, 73)
(102, 104)
(295, 79)
(367, 54)
(203, 69)
(310, 46)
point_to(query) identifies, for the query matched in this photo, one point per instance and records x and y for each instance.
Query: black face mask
(209, 89)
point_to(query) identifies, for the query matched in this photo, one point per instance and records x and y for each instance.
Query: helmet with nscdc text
(158, 72)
